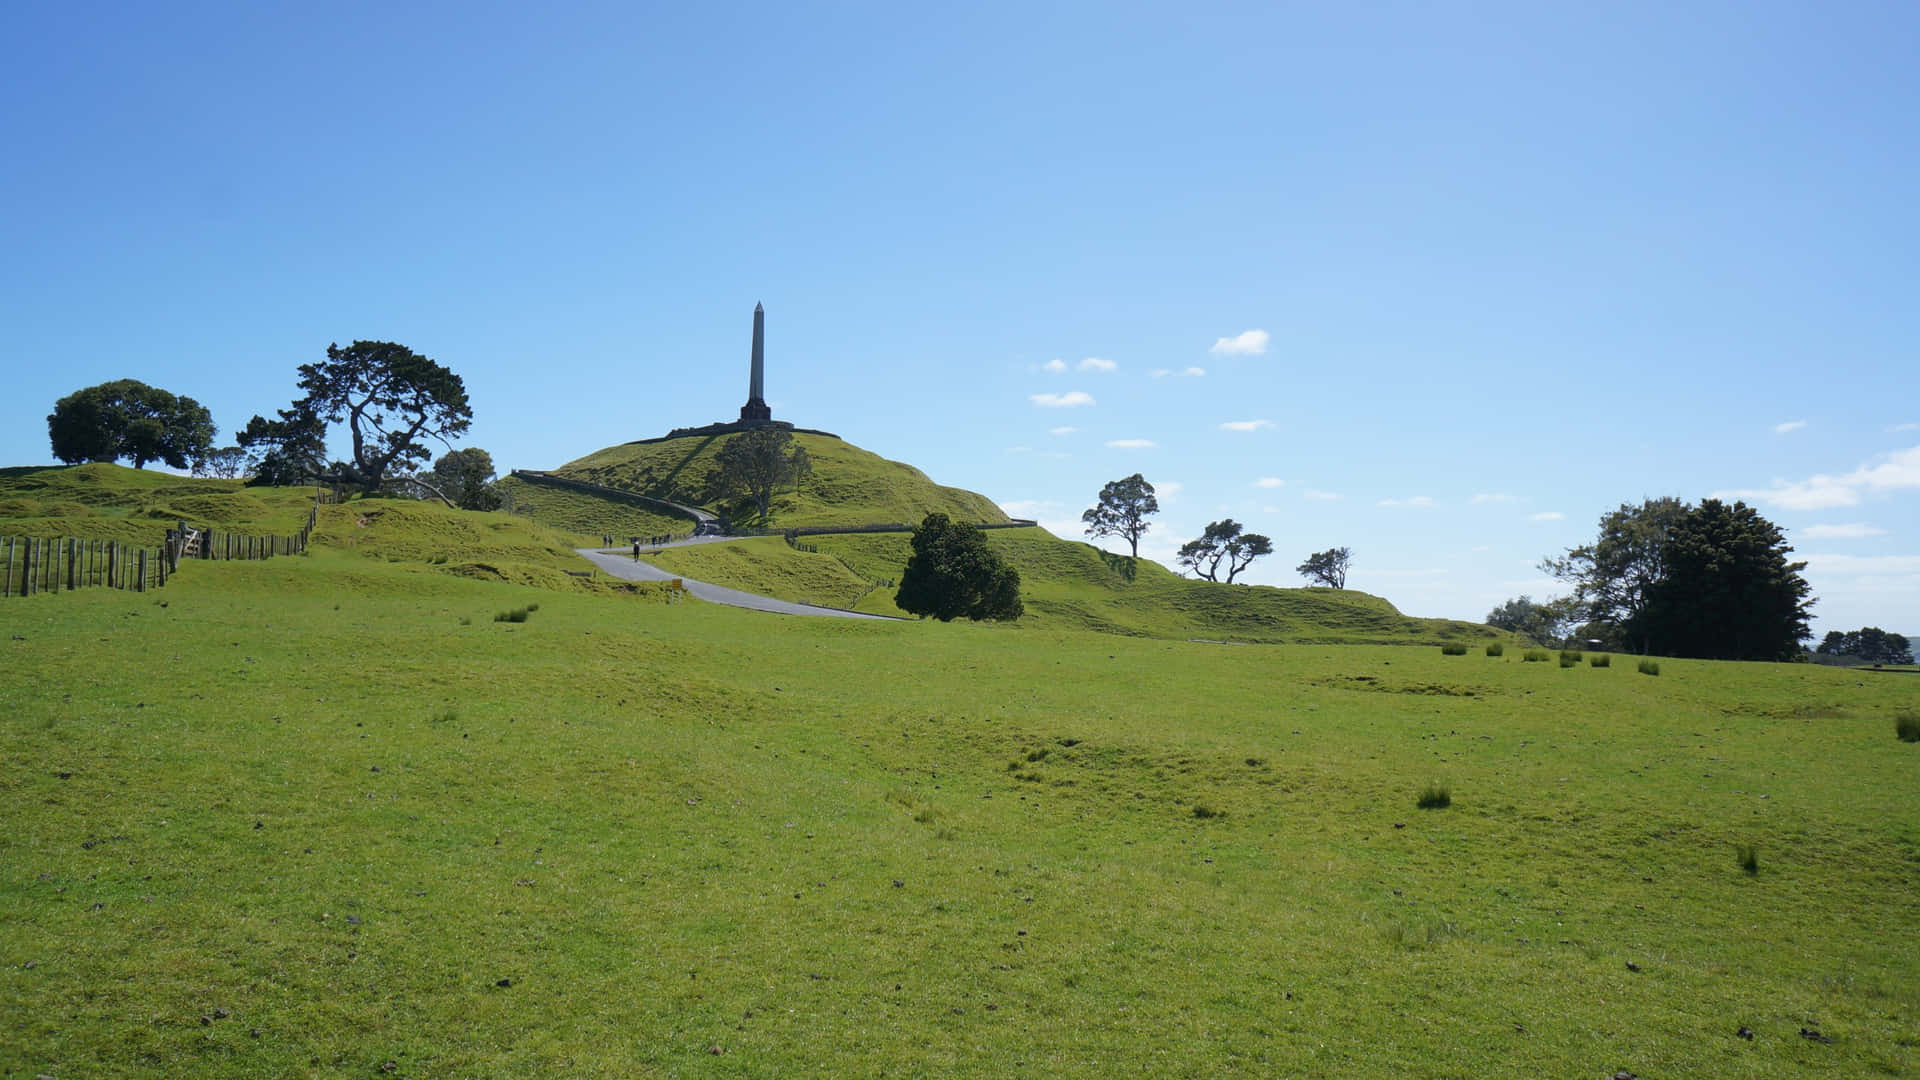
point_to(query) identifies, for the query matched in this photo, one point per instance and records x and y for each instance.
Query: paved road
(631, 569)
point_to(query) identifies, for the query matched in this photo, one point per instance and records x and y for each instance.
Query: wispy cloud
(1069, 400)
(1168, 489)
(1905, 427)
(1490, 497)
(1055, 365)
(1250, 343)
(1185, 373)
(1854, 531)
(1864, 564)
(1269, 482)
(1547, 515)
(1322, 496)
(1897, 471)
(1094, 363)
(1791, 425)
(1417, 500)
(1132, 444)
(1245, 425)
(1062, 430)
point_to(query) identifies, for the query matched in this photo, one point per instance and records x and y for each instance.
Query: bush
(1600, 660)
(1907, 726)
(1749, 858)
(1649, 667)
(1434, 797)
(1534, 656)
(1453, 650)
(1496, 649)
(1569, 661)
(1570, 654)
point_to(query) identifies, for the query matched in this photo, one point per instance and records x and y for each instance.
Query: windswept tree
(1327, 567)
(953, 572)
(286, 451)
(128, 419)
(1613, 576)
(225, 463)
(390, 398)
(1123, 510)
(1223, 544)
(758, 462)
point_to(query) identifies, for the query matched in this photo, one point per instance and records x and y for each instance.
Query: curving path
(631, 569)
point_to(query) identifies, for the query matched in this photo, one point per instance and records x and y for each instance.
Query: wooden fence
(36, 564)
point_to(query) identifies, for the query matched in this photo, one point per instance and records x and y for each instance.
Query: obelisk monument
(756, 411)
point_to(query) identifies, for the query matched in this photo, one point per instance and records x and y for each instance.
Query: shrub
(1907, 726)
(1570, 654)
(1534, 656)
(1649, 667)
(1600, 660)
(1453, 650)
(1434, 797)
(1569, 661)
(1749, 858)
(1496, 649)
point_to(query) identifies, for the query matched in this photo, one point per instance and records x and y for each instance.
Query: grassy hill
(112, 502)
(849, 486)
(324, 817)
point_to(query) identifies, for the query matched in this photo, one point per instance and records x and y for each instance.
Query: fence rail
(39, 564)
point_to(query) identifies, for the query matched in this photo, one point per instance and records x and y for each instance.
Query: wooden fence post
(141, 580)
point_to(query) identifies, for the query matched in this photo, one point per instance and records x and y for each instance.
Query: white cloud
(1905, 427)
(1245, 425)
(1481, 499)
(1185, 373)
(1323, 496)
(1068, 400)
(1168, 489)
(1791, 425)
(1417, 500)
(1547, 515)
(1029, 508)
(1055, 365)
(1094, 363)
(1269, 482)
(1864, 564)
(1893, 472)
(1855, 531)
(1132, 444)
(1062, 430)
(1251, 343)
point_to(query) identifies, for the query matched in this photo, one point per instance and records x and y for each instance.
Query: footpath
(626, 567)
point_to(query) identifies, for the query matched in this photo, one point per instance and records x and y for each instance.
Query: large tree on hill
(1612, 576)
(1123, 510)
(391, 398)
(953, 572)
(1223, 543)
(758, 462)
(127, 418)
(1327, 567)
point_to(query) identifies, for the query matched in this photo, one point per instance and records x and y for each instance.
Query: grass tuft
(1749, 858)
(1600, 660)
(1569, 661)
(1434, 797)
(1496, 649)
(446, 716)
(1204, 812)
(516, 615)
(1649, 667)
(1907, 726)
(1570, 654)
(1453, 650)
(1534, 656)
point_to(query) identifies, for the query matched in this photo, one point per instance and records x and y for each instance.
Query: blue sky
(1439, 282)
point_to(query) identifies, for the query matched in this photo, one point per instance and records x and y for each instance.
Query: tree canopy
(1546, 624)
(391, 399)
(953, 572)
(1327, 567)
(1223, 544)
(758, 462)
(465, 479)
(128, 419)
(1710, 581)
(1123, 510)
(1870, 644)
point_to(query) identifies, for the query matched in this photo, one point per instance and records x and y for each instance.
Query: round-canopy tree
(127, 418)
(953, 572)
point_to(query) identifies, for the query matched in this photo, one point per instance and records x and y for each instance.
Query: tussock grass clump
(517, 615)
(1535, 656)
(1434, 797)
(1907, 726)
(1569, 661)
(1571, 654)
(446, 716)
(1496, 649)
(1649, 667)
(1600, 660)
(1204, 812)
(1749, 856)
(1453, 650)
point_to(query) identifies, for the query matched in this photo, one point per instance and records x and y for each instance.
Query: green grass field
(589, 516)
(324, 816)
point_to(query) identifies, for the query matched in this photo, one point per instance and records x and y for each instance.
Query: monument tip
(756, 305)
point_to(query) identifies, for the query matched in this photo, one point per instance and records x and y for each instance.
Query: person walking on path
(636, 549)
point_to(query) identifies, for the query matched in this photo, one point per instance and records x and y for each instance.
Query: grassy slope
(849, 486)
(588, 515)
(302, 800)
(113, 502)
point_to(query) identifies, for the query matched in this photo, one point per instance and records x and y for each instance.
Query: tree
(390, 398)
(1223, 542)
(465, 479)
(1327, 567)
(1612, 576)
(225, 463)
(1870, 644)
(1729, 592)
(127, 418)
(1123, 510)
(1546, 624)
(760, 461)
(287, 451)
(953, 572)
